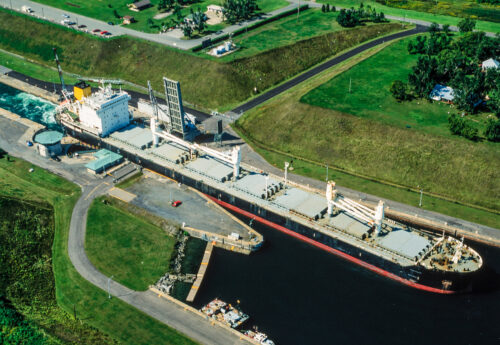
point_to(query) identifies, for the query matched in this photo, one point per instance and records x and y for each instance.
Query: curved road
(148, 302)
(322, 67)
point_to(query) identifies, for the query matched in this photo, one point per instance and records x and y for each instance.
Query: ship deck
(301, 204)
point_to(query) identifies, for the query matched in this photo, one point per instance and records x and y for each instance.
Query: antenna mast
(153, 101)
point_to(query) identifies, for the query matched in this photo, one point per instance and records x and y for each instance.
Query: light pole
(326, 179)
(286, 172)
(109, 293)
(421, 193)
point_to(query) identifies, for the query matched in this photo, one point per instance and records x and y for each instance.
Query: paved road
(322, 67)
(161, 309)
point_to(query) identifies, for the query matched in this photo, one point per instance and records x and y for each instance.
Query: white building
(106, 111)
(490, 63)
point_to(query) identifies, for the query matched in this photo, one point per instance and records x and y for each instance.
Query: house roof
(442, 92)
(104, 159)
(491, 63)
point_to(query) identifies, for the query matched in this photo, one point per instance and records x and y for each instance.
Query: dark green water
(299, 295)
(29, 106)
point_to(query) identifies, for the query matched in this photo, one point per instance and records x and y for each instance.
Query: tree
(348, 18)
(115, 13)
(424, 76)
(150, 22)
(446, 29)
(199, 19)
(334, 9)
(492, 131)
(466, 25)
(236, 10)
(187, 30)
(323, 8)
(399, 90)
(459, 126)
(434, 28)
(327, 7)
(417, 46)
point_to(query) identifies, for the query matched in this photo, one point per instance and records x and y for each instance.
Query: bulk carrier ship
(326, 219)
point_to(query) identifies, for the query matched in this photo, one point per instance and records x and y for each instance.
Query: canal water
(29, 106)
(301, 295)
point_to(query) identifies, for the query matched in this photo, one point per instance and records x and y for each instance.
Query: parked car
(104, 32)
(111, 23)
(176, 203)
(29, 143)
(82, 26)
(96, 31)
(71, 23)
(65, 15)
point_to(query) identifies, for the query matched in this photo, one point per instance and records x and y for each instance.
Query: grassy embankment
(73, 293)
(105, 11)
(130, 180)
(403, 13)
(362, 151)
(455, 8)
(205, 83)
(133, 251)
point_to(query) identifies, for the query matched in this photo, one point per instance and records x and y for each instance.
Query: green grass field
(206, 84)
(454, 8)
(284, 31)
(105, 11)
(121, 321)
(429, 17)
(126, 247)
(447, 166)
(370, 97)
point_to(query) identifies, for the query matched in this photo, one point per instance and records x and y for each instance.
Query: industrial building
(105, 159)
(48, 143)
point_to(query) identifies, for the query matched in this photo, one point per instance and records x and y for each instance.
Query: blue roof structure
(105, 158)
(442, 93)
(48, 137)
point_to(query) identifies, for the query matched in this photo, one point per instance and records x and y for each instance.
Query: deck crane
(233, 158)
(64, 91)
(372, 217)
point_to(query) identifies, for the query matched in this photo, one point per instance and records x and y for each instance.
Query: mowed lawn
(134, 252)
(370, 97)
(288, 30)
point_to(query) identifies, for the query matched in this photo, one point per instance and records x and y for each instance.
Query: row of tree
(327, 8)
(456, 63)
(353, 17)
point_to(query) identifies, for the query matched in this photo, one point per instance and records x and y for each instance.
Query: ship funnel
(379, 217)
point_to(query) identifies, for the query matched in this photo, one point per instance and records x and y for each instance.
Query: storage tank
(49, 143)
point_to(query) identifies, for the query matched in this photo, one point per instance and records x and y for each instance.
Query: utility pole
(298, 11)
(43, 14)
(421, 193)
(326, 179)
(286, 172)
(109, 293)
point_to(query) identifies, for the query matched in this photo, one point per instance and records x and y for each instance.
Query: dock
(201, 273)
